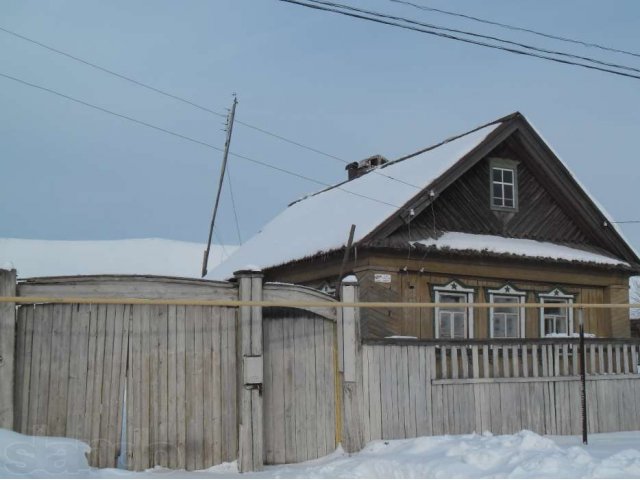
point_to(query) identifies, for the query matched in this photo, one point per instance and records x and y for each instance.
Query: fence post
(250, 373)
(7, 347)
(351, 354)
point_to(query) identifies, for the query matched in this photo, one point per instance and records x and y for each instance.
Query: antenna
(227, 143)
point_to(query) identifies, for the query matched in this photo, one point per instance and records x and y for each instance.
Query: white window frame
(503, 164)
(508, 291)
(454, 287)
(556, 294)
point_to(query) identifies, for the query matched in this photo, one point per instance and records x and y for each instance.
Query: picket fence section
(411, 389)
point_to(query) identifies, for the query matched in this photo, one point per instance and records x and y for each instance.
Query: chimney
(357, 169)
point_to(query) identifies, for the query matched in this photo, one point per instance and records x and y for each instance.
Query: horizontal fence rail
(294, 304)
(480, 360)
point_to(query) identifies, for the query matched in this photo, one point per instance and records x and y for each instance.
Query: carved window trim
(465, 294)
(556, 296)
(507, 291)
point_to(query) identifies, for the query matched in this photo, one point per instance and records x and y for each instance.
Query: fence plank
(183, 327)
(210, 371)
(299, 382)
(485, 361)
(329, 382)
(454, 362)
(618, 363)
(375, 414)
(475, 362)
(601, 369)
(516, 366)
(625, 357)
(172, 385)
(464, 360)
(610, 359)
(525, 360)
(27, 360)
(443, 362)
(534, 360)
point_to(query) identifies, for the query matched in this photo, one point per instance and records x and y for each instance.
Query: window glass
(506, 320)
(452, 320)
(556, 316)
(503, 187)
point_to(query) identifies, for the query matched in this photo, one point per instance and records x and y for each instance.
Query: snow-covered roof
(321, 222)
(145, 256)
(516, 246)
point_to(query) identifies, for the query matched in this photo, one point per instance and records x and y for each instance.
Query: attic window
(504, 184)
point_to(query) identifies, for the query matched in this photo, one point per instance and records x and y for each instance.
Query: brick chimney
(357, 169)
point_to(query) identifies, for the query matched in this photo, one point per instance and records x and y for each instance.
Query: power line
(188, 102)
(208, 145)
(478, 35)
(460, 39)
(233, 204)
(165, 93)
(521, 29)
(193, 140)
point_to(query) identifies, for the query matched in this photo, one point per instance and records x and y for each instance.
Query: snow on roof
(516, 246)
(321, 222)
(144, 256)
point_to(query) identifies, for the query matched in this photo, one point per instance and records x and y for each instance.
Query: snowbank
(523, 455)
(22, 456)
(142, 256)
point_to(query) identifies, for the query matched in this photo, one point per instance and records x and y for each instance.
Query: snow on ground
(140, 256)
(516, 246)
(523, 455)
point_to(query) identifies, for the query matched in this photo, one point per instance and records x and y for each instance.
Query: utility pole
(227, 143)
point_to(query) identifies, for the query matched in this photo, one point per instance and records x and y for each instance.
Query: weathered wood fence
(412, 388)
(178, 386)
(189, 384)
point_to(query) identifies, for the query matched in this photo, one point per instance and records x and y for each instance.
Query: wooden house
(491, 215)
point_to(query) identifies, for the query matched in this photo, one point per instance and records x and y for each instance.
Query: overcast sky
(346, 87)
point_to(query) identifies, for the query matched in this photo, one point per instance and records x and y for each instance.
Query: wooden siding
(415, 286)
(465, 207)
(299, 386)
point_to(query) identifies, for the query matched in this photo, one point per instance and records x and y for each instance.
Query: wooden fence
(413, 388)
(189, 384)
(173, 376)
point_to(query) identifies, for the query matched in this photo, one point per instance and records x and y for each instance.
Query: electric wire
(193, 140)
(233, 204)
(188, 102)
(166, 93)
(461, 39)
(477, 35)
(520, 29)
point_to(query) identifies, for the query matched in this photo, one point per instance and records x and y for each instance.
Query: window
(557, 318)
(504, 185)
(452, 321)
(506, 321)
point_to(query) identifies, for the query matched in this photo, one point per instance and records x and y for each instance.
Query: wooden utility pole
(227, 143)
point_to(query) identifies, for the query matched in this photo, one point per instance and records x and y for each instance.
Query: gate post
(350, 354)
(7, 347)
(250, 372)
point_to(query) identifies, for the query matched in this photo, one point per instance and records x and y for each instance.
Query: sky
(343, 86)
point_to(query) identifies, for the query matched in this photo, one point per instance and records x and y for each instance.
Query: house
(491, 215)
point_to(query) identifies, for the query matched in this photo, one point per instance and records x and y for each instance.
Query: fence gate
(299, 385)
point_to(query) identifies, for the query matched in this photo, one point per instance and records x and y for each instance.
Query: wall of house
(412, 285)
